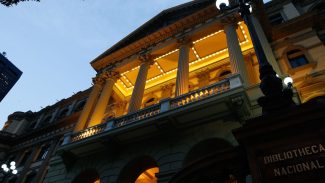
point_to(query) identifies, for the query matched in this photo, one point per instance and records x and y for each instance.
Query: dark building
(9, 75)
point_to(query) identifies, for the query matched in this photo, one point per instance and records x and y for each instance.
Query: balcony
(205, 104)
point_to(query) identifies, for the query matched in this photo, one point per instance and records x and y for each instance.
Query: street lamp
(275, 97)
(288, 81)
(10, 169)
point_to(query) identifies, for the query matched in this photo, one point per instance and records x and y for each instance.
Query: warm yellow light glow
(148, 176)
(97, 181)
(125, 85)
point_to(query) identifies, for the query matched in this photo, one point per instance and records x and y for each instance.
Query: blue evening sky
(53, 41)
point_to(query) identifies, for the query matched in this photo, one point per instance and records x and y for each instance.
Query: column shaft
(236, 58)
(140, 83)
(100, 109)
(265, 45)
(83, 118)
(182, 80)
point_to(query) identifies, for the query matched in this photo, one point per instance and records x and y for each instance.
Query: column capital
(98, 80)
(146, 58)
(114, 75)
(229, 20)
(184, 40)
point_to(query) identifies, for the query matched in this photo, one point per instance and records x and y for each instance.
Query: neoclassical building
(167, 98)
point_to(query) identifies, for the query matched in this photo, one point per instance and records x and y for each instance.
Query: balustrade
(88, 132)
(164, 106)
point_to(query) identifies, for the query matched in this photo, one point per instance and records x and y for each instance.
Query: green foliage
(13, 2)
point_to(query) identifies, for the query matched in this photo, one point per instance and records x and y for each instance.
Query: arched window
(63, 113)
(224, 74)
(32, 125)
(150, 100)
(47, 119)
(80, 105)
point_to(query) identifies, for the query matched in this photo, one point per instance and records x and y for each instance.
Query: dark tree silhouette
(13, 2)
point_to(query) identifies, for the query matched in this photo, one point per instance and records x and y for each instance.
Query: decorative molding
(110, 75)
(98, 80)
(146, 58)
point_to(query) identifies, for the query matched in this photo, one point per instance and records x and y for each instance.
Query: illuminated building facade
(167, 98)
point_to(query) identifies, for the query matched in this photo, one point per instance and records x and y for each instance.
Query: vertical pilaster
(138, 91)
(91, 101)
(236, 58)
(182, 80)
(42, 170)
(30, 160)
(265, 45)
(99, 111)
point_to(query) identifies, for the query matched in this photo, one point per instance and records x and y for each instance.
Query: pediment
(163, 19)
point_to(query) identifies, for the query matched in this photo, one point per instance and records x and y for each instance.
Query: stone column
(138, 91)
(236, 58)
(83, 118)
(99, 111)
(182, 79)
(265, 45)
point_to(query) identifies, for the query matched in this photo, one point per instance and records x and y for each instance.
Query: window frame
(303, 51)
(282, 14)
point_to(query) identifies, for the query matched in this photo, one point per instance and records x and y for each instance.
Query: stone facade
(157, 102)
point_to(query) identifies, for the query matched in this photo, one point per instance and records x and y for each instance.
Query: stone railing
(165, 105)
(88, 132)
(200, 94)
(139, 115)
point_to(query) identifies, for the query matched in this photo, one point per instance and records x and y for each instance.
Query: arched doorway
(139, 170)
(205, 148)
(213, 161)
(87, 176)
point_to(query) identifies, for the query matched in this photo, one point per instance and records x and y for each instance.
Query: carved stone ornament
(98, 80)
(184, 40)
(229, 20)
(110, 75)
(146, 58)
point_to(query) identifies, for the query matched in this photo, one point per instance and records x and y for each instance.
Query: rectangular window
(43, 153)
(296, 58)
(276, 19)
(298, 61)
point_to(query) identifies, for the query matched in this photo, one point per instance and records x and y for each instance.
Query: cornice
(297, 24)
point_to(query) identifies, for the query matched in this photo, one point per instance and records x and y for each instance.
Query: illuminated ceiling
(205, 51)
